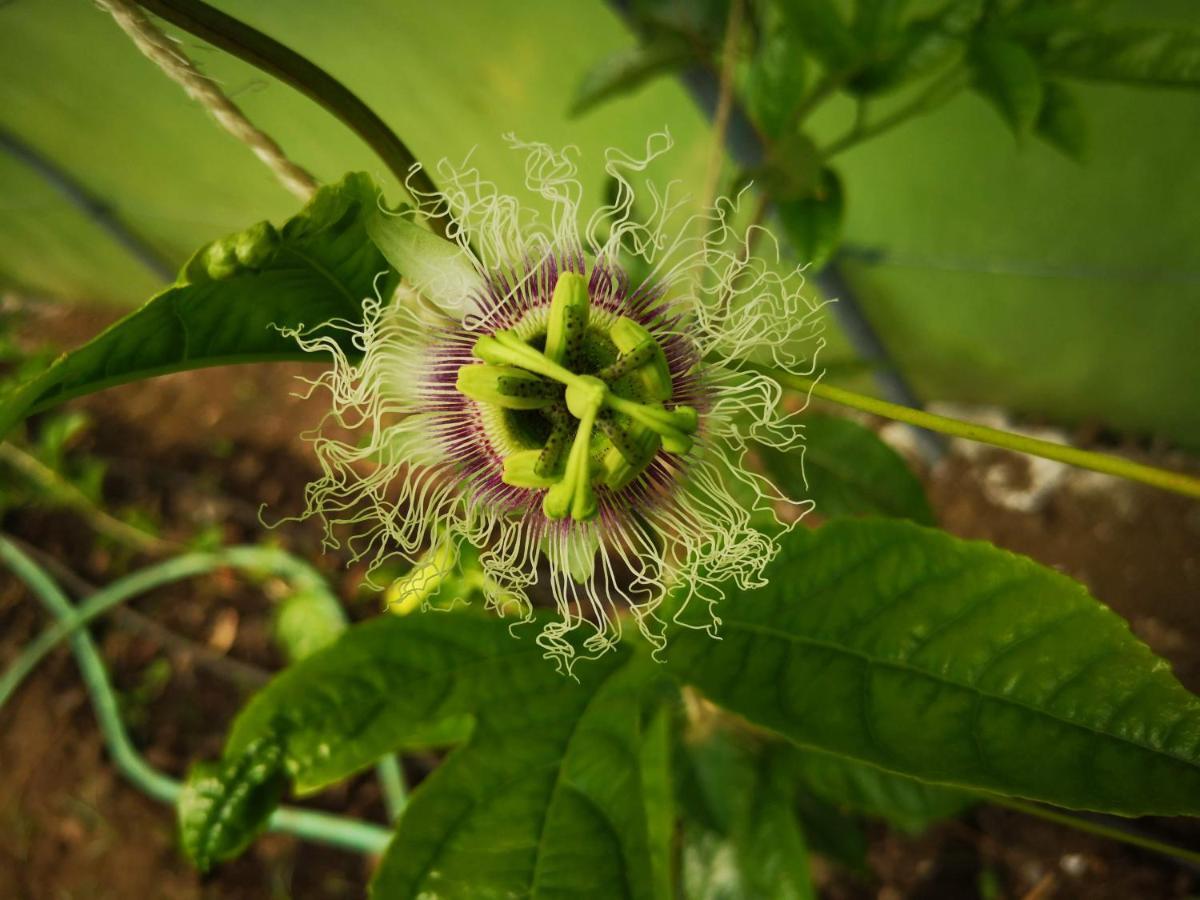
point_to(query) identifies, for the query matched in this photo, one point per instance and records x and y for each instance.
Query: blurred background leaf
(995, 274)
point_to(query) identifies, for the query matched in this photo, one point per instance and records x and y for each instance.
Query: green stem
(264, 560)
(321, 827)
(1097, 828)
(391, 781)
(940, 91)
(62, 491)
(290, 67)
(820, 92)
(1176, 482)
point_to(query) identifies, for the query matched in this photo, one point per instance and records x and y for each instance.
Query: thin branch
(938, 92)
(156, 47)
(1176, 482)
(70, 496)
(720, 122)
(265, 53)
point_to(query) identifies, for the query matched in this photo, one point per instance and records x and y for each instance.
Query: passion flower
(583, 431)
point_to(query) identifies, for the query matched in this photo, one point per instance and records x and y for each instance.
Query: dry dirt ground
(203, 450)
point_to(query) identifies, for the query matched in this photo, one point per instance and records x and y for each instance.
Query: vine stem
(337, 831)
(937, 93)
(1176, 482)
(261, 560)
(1097, 828)
(282, 62)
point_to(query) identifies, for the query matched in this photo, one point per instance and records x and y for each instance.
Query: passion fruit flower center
(580, 400)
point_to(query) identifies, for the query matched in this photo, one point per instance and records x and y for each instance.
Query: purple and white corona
(586, 432)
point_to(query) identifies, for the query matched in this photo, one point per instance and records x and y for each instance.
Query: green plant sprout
(595, 428)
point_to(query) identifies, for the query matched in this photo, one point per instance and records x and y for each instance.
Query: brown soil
(204, 449)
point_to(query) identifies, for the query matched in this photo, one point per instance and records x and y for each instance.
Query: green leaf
(771, 843)
(225, 805)
(1061, 122)
(1008, 77)
(627, 70)
(743, 835)
(545, 796)
(897, 59)
(657, 792)
(847, 471)
(955, 663)
(308, 620)
(230, 300)
(773, 83)
(818, 25)
(875, 20)
(906, 803)
(813, 223)
(1158, 57)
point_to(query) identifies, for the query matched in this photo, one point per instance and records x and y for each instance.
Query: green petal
(440, 269)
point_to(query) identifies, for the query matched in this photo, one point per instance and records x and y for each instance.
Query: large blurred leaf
(834, 833)
(1137, 55)
(847, 471)
(906, 803)
(956, 663)
(544, 798)
(230, 300)
(1008, 77)
(657, 790)
(628, 69)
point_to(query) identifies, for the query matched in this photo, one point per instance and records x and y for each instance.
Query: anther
(568, 319)
(506, 386)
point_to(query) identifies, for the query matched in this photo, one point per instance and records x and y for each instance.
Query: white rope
(157, 47)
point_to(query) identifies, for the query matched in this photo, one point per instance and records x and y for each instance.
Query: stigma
(584, 401)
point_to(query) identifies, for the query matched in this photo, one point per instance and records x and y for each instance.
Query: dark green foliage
(226, 804)
(955, 663)
(231, 300)
(891, 654)
(846, 470)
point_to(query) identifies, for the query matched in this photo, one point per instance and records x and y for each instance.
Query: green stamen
(640, 352)
(516, 375)
(550, 458)
(633, 447)
(506, 386)
(673, 426)
(568, 319)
